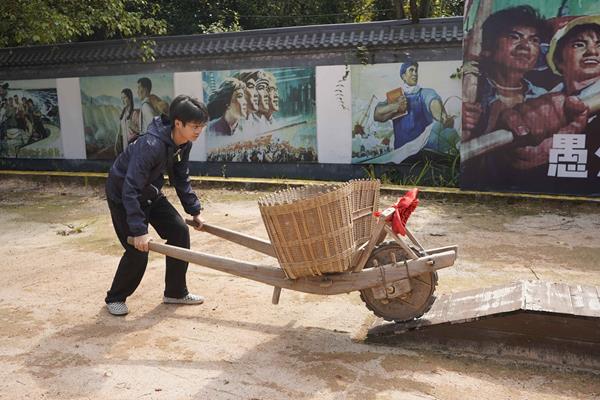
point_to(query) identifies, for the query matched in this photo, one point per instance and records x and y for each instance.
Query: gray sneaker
(117, 308)
(189, 299)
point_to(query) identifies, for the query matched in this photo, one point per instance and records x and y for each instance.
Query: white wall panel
(71, 118)
(334, 115)
(190, 83)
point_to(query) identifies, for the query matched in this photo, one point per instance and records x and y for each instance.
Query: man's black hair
(146, 83)
(503, 21)
(187, 109)
(574, 32)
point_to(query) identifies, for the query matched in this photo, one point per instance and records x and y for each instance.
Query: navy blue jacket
(137, 174)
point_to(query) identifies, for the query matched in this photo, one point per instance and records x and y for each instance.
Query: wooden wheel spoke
(418, 278)
(420, 285)
(411, 305)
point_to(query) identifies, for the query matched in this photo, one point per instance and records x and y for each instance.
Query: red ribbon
(403, 208)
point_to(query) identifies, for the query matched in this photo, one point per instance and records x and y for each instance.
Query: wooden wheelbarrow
(396, 278)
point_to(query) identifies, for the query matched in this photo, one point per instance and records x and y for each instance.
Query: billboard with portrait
(117, 109)
(261, 115)
(29, 119)
(405, 112)
(531, 87)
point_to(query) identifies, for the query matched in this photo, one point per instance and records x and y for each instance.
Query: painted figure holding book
(411, 109)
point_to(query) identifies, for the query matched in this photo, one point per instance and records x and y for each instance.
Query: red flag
(403, 208)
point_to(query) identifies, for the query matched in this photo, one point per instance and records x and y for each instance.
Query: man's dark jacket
(136, 177)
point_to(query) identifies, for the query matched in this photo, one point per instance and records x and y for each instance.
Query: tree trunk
(414, 11)
(425, 8)
(399, 6)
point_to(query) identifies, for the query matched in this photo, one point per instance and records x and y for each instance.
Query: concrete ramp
(536, 321)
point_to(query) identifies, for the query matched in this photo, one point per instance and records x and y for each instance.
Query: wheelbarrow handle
(256, 244)
(193, 223)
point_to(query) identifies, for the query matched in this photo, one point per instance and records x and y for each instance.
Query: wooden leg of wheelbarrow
(411, 254)
(414, 240)
(276, 294)
(365, 253)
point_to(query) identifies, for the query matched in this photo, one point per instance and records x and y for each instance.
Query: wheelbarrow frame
(419, 261)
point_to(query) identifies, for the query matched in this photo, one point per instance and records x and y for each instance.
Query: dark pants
(171, 227)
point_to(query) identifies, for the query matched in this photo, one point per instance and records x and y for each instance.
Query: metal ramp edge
(551, 323)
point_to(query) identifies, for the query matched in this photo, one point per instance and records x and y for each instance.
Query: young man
(133, 192)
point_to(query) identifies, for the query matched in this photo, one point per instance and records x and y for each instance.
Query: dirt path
(58, 341)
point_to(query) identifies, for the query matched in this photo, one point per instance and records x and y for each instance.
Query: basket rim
(277, 200)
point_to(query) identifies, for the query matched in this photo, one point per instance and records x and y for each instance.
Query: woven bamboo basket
(316, 229)
(310, 228)
(365, 201)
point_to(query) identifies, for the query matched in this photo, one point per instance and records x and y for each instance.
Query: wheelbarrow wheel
(405, 307)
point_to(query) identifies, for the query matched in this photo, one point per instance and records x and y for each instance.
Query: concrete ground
(58, 255)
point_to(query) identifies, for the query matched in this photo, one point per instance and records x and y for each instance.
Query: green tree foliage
(27, 22)
(205, 16)
(415, 9)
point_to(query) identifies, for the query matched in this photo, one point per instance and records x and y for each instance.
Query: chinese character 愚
(568, 156)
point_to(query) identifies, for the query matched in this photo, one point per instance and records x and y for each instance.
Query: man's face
(190, 131)
(411, 75)
(2, 91)
(581, 57)
(251, 95)
(263, 95)
(141, 91)
(274, 98)
(518, 49)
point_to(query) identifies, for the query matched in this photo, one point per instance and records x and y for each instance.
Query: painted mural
(531, 80)
(118, 109)
(29, 120)
(262, 115)
(405, 112)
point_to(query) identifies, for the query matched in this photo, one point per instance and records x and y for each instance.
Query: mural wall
(405, 112)
(518, 113)
(117, 109)
(263, 115)
(29, 120)
(531, 96)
